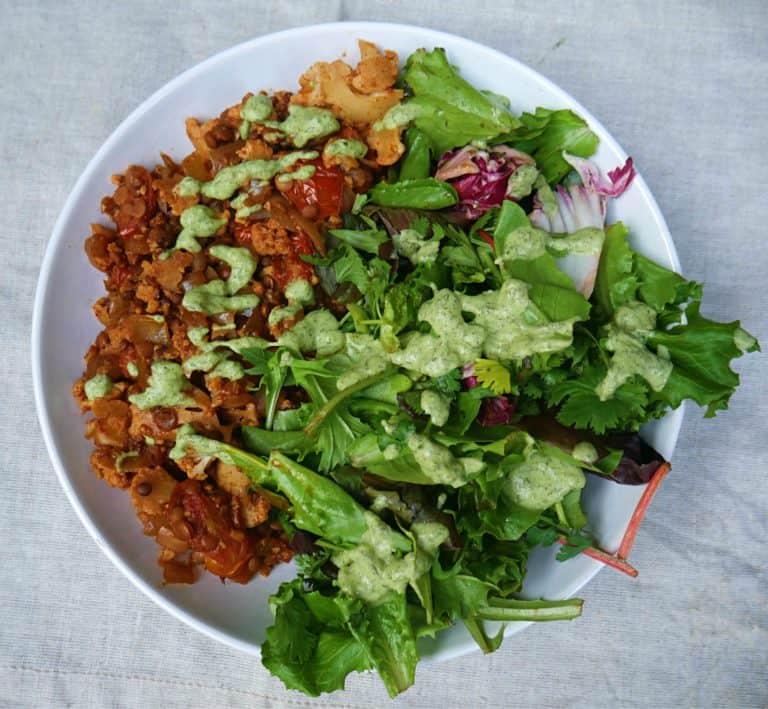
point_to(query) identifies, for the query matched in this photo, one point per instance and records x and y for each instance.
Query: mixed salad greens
(500, 340)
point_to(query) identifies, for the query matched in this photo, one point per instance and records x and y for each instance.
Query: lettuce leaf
(546, 134)
(551, 289)
(447, 108)
(701, 351)
(310, 647)
(616, 282)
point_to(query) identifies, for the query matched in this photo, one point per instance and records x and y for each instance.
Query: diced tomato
(323, 191)
(290, 267)
(227, 551)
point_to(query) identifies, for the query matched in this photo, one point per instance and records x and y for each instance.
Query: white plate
(63, 325)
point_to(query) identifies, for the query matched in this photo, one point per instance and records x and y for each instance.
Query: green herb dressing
(411, 244)
(318, 332)
(133, 369)
(399, 116)
(626, 336)
(243, 210)
(541, 480)
(521, 181)
(97, 386)
(298, 293)
(546, 196)
(346, 148)
(220, 296)
(304, 124)
(123, 456)
(367, 356)
(373, 569)
(585, 452)
(513, 326)
(256, 108)
(187, 439)
(436, 406)
(303, 173)
(439, 464)
(198, 222)
(229, 179)
(526, 243)
(188, 187)
(452, 343)
(166, 387)
(214, 358)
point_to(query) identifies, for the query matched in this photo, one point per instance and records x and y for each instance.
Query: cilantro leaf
(581, 407)
(493, 375)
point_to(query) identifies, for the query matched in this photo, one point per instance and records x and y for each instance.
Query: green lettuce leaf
(551, 289)
(390, 643)
(545, 134)
(701, 351)
(659, 287)
(310, 647)
(448, 109)
(616, 282)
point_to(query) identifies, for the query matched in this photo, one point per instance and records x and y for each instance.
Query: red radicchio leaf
(480, 176)
(496, 411)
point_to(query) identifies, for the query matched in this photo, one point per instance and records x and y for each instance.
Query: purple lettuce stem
(468, 376)
(480, 177)
(581, 206)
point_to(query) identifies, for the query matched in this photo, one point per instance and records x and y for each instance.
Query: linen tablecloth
(684, 87)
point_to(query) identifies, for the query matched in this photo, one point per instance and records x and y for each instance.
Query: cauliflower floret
(359, 96)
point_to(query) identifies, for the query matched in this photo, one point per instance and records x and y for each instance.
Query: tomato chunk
(290, 267)
(319, 196)
(227, 550)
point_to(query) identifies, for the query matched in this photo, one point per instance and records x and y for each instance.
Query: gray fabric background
(684, 87)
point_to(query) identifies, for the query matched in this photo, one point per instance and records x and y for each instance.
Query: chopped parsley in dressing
(298, 293)
(373, 569)
(229, 179)
(216, 355)
(197, 222)
(166, 387)
(626, 335)
(220, 296)
(97, 386)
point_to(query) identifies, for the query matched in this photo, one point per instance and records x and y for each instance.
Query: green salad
(481, 340)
